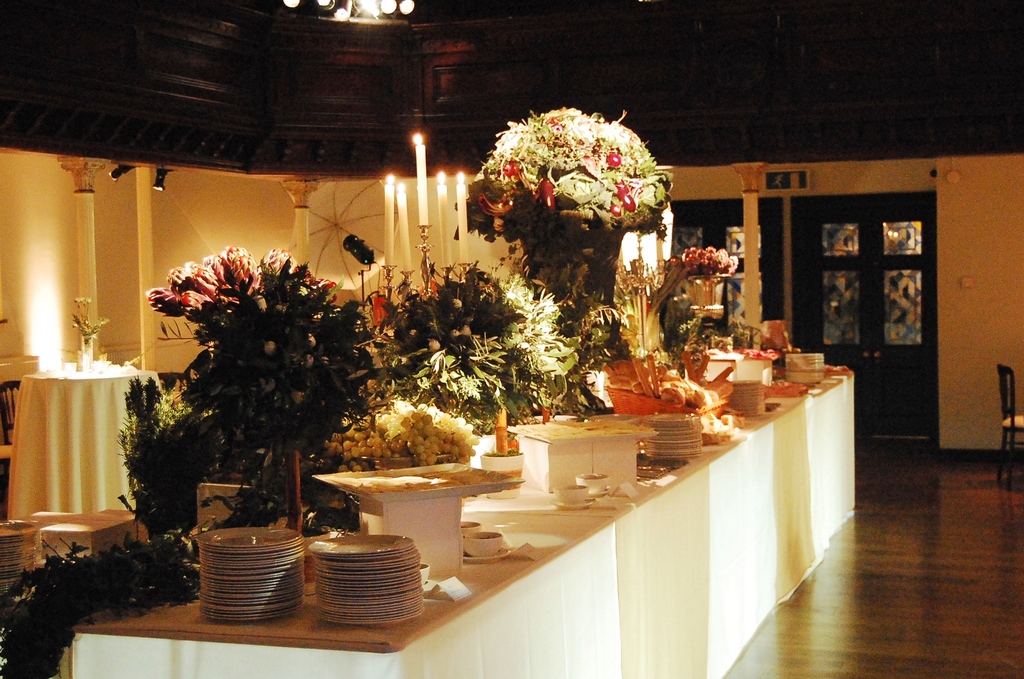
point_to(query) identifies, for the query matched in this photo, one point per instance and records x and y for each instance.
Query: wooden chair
(1013, 424)
(8, 400)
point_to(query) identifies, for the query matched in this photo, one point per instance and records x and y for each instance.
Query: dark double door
(864, 294)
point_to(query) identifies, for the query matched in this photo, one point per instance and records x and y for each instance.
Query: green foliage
(473, 346)
(282, 367)
(38, 614)
(166, 454)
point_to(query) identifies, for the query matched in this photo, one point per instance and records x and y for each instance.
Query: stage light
(358, 249)
(161, 177)
(120, 171)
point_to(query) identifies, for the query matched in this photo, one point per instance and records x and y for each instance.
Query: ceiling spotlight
(388, 6)
(359, 249)
(120, 170)
(406, 6)
(325, 3)
(291, 4)
(161, 177)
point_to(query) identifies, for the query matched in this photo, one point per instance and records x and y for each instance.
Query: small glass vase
(85, 354)
(705, 293)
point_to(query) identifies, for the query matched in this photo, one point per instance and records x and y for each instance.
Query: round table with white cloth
(66, 454)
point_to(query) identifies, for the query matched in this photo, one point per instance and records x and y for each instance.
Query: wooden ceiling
(246, 86)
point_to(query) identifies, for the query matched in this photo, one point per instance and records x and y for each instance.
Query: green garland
(38, 615)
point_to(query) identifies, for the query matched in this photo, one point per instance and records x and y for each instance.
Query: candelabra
(642, 280)
(389, 277)
(426, 268)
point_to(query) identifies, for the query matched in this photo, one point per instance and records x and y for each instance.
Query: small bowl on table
(597, 484)
(482, 543)
(572, 496)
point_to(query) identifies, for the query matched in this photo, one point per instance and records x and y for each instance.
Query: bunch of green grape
(422, 432)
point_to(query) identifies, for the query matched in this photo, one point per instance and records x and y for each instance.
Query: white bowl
(595, 483)
(470, 527)
(482, 543)
(424, 573)
(572, 495)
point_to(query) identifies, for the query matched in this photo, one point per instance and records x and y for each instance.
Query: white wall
(202, 212)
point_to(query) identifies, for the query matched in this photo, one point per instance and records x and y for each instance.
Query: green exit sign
(786, 180)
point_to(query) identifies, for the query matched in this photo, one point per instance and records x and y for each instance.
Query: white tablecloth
(672, 584)
(66, 454)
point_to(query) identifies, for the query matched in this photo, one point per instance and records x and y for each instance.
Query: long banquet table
(672, 583)
(66, 454)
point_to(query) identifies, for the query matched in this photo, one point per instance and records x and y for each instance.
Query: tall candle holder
(389, 277)
(425, 265)
(643, 278)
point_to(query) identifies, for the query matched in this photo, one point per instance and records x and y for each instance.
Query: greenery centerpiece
(282, 368)
(473, 347)
(563, 187)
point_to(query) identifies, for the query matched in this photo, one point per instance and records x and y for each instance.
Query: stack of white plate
(249, 574)
(368, 579)
(805, 368)
(678, 437)
(747, 397)
(19, 541)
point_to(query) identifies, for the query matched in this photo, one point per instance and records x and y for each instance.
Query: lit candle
(421, 178)
(629, 250)
(668, 219)
(460, 201)
(442, 210)
(389, 220)
(649, 250)
(403, 228)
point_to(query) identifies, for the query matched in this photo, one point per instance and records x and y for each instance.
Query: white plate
(583, 505)
(502, 553)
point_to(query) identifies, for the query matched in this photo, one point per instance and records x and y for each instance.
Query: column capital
(83, 170)
(300, 190)
(750, 175)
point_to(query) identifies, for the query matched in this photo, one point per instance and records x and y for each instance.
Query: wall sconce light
(359, 249)
(120, 171)
(161, 177)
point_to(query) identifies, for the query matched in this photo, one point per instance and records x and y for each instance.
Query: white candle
(389, 220)
(421, 178)
(629, 250)
(460, 200)
(403, 228)
(442, 213)
(649, 250)
(668, 219)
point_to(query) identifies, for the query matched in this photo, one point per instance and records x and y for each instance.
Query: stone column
(300, 190)
(83, 171)
(144, 229)
(750, 176)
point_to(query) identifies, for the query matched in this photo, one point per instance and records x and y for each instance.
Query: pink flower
(244, 269)
(166, 302)
(181, 277)
(194, 300)
(277, 259)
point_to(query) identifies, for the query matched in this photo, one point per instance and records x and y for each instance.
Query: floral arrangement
(462, 348)
(709, 261)
(568, 160)
(422, 432)
(281, 368)
(83, 323)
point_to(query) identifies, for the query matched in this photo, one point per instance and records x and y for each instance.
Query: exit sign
(786, 180)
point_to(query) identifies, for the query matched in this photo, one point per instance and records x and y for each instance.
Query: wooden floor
(926, 580)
